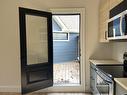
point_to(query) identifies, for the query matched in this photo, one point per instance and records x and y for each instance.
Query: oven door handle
(107, 81)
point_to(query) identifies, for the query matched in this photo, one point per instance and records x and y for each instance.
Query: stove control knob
(125, 61)
(125, 56)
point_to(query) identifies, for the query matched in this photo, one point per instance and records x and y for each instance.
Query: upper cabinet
(113, 3)
(103, 17)
(105, 7)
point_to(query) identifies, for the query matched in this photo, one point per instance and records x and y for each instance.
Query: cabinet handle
(106, 35)
(92, 88)
(92, 77)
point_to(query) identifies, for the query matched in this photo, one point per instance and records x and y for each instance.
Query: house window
(60, 36)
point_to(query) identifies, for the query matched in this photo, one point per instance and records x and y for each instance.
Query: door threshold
(66, 84)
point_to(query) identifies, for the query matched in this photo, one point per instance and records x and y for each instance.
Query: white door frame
(80, 88)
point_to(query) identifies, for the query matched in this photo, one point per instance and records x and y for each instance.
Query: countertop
(105, 62)
(122, 82)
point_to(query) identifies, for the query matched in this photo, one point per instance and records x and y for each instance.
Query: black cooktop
(114, 71)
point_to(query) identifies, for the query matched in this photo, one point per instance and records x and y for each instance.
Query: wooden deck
(66, 73)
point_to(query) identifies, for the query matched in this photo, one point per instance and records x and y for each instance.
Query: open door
(36, 46)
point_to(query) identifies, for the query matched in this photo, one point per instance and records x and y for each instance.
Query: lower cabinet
(120, 90)
(93, 79)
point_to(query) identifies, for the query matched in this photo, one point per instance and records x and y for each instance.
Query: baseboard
(10, 89)
(17, 89)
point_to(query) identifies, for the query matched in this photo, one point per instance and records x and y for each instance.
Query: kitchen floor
(46, 94)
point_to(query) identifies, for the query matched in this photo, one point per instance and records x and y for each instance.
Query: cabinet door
(119, 90)
(113, 3)
(103, 17)
(104, 9)
(93, 79)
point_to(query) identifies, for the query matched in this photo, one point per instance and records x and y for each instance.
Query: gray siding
(64, 51)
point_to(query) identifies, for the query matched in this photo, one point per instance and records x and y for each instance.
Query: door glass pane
(124, 30)
(116, 27)
(37, 41)
(110, 29)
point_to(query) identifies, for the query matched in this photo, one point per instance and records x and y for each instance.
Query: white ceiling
(68, 23)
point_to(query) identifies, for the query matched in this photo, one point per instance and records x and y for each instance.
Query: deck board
(67, 73)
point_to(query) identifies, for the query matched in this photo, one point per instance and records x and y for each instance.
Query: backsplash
(118, 50)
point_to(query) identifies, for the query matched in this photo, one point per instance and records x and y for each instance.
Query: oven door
(104, 86)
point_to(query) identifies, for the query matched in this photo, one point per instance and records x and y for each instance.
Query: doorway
(38, 74)
(66, 49)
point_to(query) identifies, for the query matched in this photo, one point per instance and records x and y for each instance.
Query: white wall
(9, 45)
(118, 50)
(9, 36)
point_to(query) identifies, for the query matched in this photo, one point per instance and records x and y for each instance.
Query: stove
(105, 75)
(113, 71)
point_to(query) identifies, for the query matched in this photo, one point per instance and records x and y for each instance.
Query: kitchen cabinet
(105, 7)
(103, 17)
(120, 90)
(121, 86)
(113, 3)
(93, 79)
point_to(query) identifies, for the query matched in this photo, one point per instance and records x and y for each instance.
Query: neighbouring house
(65, 39)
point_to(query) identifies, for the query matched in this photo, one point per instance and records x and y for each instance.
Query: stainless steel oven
(104, 84)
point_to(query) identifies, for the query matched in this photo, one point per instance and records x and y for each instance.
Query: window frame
(61, 32)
